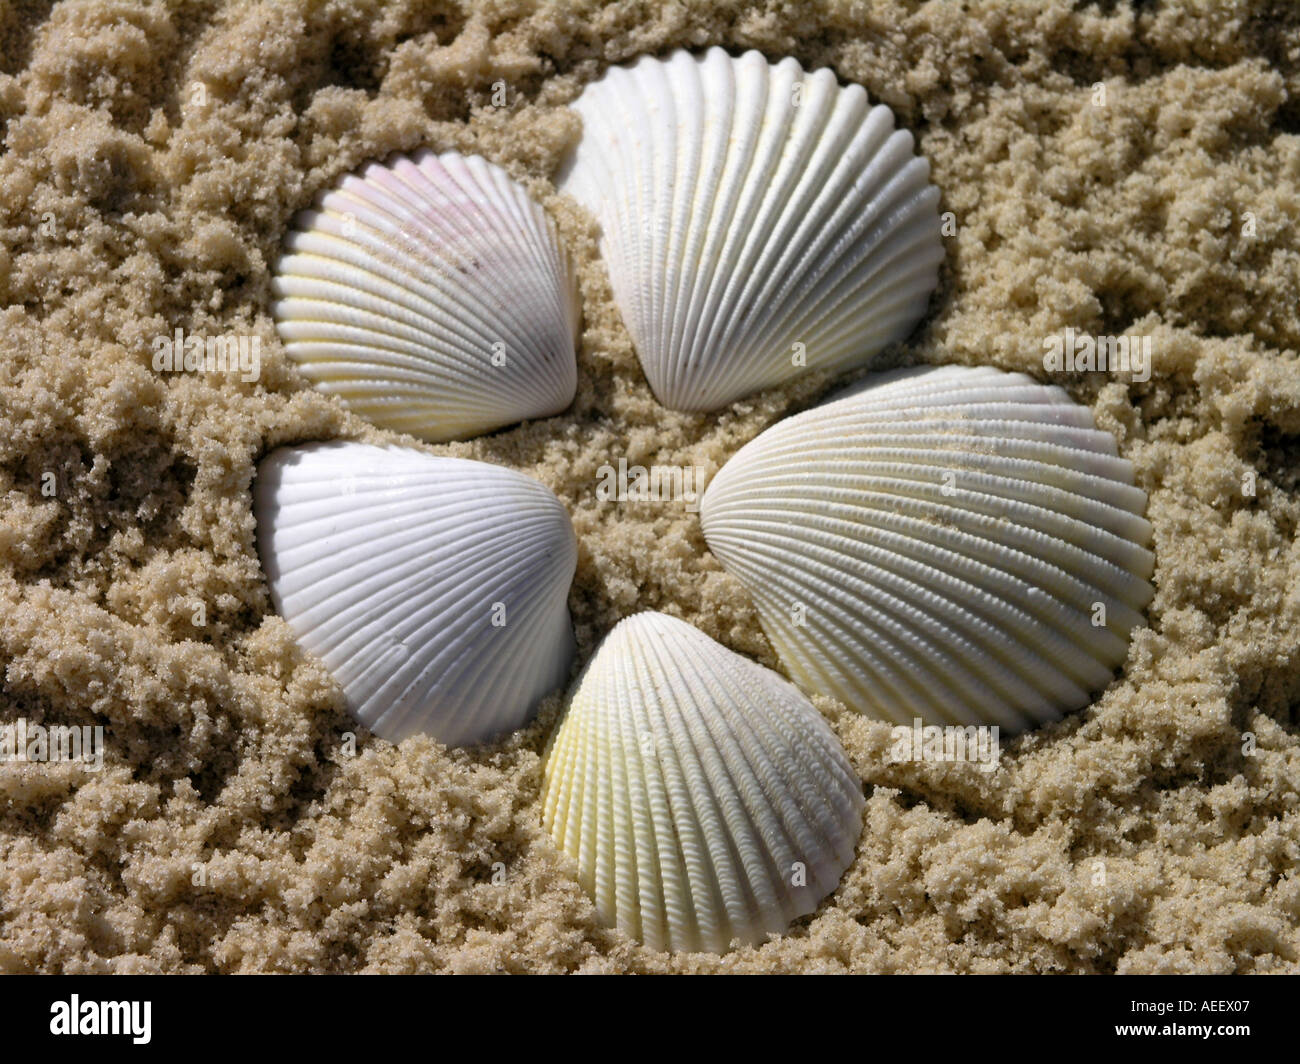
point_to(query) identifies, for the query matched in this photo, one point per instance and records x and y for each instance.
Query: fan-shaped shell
(703, 797)
(435, 589)
(431, 296)
(958, 545)
(755, 220)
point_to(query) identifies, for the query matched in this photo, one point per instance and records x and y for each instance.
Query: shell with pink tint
(430, 294)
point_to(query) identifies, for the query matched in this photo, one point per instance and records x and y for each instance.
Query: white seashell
(430, 295)
(695, 788)
(940, 543)
(747, 209)
(435, 589)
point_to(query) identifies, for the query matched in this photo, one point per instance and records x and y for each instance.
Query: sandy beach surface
(153, 158)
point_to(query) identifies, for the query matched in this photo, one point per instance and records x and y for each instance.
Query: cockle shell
(435, 589)
(756, 220)
(959, 545)
(431, 296)
(702, 796)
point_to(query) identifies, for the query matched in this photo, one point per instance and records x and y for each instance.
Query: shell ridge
(745, 234)
(685, 204)
(955, 522)
(783, 211)
(727, 214)
(694, 815)
(742, 803)
(1052, 620)
(791, 832)
(797, 274)
(783, 728)
(903, 633)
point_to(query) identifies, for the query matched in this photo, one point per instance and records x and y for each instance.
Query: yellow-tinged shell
(703, 797)
(955, 544)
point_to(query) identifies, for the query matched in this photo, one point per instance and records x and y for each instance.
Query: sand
(154, 156)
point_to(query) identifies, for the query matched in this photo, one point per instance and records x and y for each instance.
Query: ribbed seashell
(756, 220)
(435, 589)
(703, 797)
(430, 295)
(959, 545)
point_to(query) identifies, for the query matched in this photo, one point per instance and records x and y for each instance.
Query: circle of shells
(933, 544)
